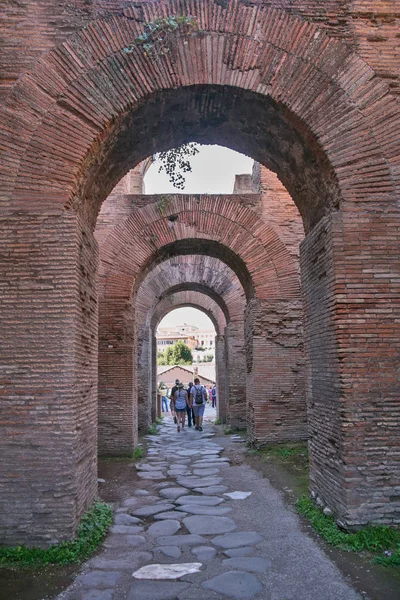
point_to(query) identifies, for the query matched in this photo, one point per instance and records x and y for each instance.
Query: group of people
(190, 401)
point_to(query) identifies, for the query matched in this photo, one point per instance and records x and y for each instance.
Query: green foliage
(218, 421)
(163, 202)
(138, 453)
(153, 429)
(91, 532)
(177, 354)
(373, 539)
(284, 451)
(160, 35)
(177, 161)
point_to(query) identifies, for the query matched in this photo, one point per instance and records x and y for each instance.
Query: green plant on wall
(162, 203)
(159, 36)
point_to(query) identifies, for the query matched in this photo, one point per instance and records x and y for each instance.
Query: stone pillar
(48, 364)
(144, 377)
(220, 372)
(275, 371)
(350, 276)
(117, 378)
(236, 389)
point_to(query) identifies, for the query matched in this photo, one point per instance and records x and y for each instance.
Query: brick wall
(48, 376)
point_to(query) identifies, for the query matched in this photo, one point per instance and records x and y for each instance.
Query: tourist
(162, 390)
(180, 404)
(198, 397)
(189, 408)
(172, 404)
(214, 396)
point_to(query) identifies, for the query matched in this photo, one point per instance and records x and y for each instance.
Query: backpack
(198, 398)
(180, 403)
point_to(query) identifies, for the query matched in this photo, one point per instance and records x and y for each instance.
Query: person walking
(198, 396)
(180, 403)
(214, 396)
(172, 403)
(189, 408)
(164, 399)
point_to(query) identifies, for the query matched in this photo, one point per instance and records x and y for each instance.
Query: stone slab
(171, 514)
(238, 495)
(126, 529)
(151, 509)
(165, 527)
(234, 584)
(211, 490)
(204, 553)
(180, 540)
(200, 500)
(161, 571)
(234, 552)
(211, 525)
(124, 519)
(194, 509)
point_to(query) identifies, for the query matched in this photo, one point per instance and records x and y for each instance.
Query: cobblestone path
(199, 528)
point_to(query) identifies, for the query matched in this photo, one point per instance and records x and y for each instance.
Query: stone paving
(200, 528)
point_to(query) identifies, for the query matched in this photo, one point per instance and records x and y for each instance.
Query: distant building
(163, 341)
(192, 336)
(186, 373)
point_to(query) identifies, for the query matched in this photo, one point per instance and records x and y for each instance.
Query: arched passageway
(266, 83)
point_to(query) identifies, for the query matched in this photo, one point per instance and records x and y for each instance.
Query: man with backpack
(198, 401)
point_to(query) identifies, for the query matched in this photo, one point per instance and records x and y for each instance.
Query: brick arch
(260, 49)
(223, 229)
(189, 298)
(199, 273)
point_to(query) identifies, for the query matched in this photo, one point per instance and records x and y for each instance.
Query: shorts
(180, 410)
(198, 409)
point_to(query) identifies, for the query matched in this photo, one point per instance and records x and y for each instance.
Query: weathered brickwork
(49, 373)
(308, 89)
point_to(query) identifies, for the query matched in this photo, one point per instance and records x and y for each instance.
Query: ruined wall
(31, 28)
(49, 336)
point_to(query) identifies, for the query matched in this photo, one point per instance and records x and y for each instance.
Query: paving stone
(251, 563)
(204, 553)
(171, 551)
(195, 509)
(232, 553)
(99, 579)
(132, 529)
(124, 519)
(142, 493)
(200, 500)
(238, 495)
(157, 590)
(151, 509)
(235, 540)
(209, 526)
(166, 527)
(234, 584)
(180, 540)
(170, 515)
(211, 489)
(151, 475)
(205, 472)
(160, 571)
(194, 482)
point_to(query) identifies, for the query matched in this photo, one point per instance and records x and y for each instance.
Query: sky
(188, 315)
(213, 172)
